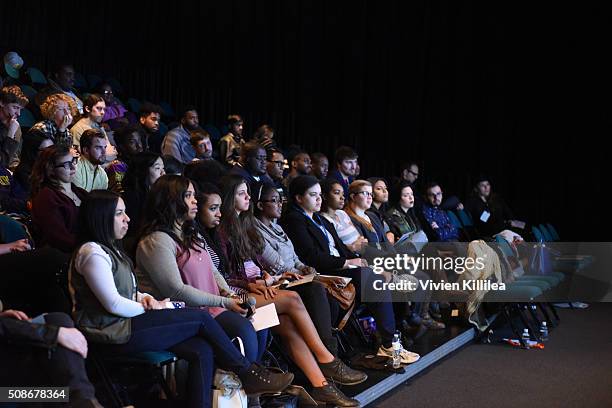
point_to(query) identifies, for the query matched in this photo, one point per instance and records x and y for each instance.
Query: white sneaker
(408, 357)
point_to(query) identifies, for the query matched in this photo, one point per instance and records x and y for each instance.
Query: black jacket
(310, 243)
(13, 331)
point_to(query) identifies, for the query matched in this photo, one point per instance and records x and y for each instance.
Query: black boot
(258, 380)
(329, 394)
(340, 373)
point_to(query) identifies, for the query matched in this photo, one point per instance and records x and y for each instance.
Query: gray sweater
(158, 272)
(278, 254)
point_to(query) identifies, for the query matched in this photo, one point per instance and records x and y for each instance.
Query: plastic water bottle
(525, 337)
(397, 348)
(544, 331)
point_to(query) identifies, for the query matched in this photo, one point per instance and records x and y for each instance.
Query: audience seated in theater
(61, 81)
(201, 144)
(242, 246)
(115, 113)
(317, 244)
(58, 110)
(46, 353)
(275, 168)
(114, 314)
(150, 115)
(437, 224)
(177, 142)
(284, 263)
(12, 100)
(89, 172)
(380, 204)
(55, 199)
(173, 261)
(490, 213)
(172, 165)
(230, 144)
(320, 165)
(252, 164)
(299, 165)
(345, 167)
(144, 170)
(264, 136)
(33, 144)
(95, 107)
(332, 205)
(129, 143)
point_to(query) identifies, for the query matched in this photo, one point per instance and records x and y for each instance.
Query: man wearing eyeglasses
(252, 164)
(275, 169)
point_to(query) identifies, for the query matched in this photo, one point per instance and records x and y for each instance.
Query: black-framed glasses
(275, 200)
(413, 173)
(108, 92)
(278, 163)
(364, 193)
(68, 164)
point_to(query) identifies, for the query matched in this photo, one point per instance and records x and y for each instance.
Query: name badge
(484, 217)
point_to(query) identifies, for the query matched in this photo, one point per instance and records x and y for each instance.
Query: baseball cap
(12, 64)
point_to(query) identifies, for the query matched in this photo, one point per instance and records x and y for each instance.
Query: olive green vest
(98, 325)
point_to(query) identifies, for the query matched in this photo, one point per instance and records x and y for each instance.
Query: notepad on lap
(265, 317)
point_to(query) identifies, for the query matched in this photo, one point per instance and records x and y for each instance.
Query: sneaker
(329, 394)
(340, 373)
(258, 380)
(408, 357)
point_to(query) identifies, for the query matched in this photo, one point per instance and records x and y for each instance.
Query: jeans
(194, 336)
(235, 325)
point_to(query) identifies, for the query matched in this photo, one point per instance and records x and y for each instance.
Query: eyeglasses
(274, 200)
(364, 193)
(68, 164)
(278, 163)
(108, 92)
(413, 173)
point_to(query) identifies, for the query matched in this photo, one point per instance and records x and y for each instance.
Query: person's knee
(294, 300)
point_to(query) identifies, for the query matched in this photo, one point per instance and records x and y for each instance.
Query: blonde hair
(356, 187)
(49, 106)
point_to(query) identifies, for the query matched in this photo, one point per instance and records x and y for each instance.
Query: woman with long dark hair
(111, 311)
(144, 170)
(55, 200)
(242, 246)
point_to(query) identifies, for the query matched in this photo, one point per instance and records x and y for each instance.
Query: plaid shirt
(49, 130)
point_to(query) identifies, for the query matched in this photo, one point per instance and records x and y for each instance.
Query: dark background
(517, 91)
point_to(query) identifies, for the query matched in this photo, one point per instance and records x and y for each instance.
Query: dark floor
(574, 370)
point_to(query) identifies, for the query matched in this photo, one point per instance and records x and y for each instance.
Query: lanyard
(319, 224)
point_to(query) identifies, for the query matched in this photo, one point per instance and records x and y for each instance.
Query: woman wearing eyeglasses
(55, 200)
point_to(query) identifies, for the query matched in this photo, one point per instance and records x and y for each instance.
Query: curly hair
(49, 106)
(13, 94)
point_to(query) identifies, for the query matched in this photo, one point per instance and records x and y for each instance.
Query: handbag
(228, 391)
(344, 295)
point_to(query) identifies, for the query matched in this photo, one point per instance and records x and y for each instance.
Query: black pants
(323, 310)
(24, 365)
